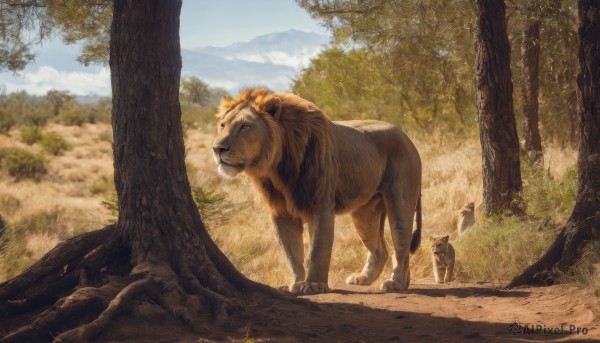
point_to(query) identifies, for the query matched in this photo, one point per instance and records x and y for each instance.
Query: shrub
(31, 134)
(112, 205)
(35, 116)
(9, 204)
(53, 143)
(547, 197)
(214, 207)
(103, 184)
(22, 164)
(74, 116)
(7, 121)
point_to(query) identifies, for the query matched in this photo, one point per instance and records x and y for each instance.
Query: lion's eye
(244, 127)
(222, 125)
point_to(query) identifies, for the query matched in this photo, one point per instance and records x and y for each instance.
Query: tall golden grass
(68, 201)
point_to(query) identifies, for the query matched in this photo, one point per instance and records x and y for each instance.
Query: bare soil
(455, 312)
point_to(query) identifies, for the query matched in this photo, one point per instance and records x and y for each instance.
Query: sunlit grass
(67, 201)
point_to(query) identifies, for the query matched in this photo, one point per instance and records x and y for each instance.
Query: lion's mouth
(236, 166)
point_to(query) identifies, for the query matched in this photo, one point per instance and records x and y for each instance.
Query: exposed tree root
(561, 255)
(91, 283)
(57, 258)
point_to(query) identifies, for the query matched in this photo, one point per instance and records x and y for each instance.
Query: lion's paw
(358, 279)
(309, 287)
(392, 286)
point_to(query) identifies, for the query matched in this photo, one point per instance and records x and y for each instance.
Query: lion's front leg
(289, 233)
(319, 256)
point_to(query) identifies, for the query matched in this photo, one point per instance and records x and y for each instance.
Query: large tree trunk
(159, 252)
(584, 222)
(493, 97)
(530, 90)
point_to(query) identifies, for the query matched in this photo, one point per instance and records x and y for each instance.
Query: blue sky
(223, 22)
(203, 23)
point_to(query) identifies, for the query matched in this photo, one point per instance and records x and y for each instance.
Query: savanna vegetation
(63, 145)
(409, 63)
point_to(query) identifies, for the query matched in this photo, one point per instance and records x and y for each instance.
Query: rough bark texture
(530, 49)
(584, 222)
(159, 253)
(493, 97)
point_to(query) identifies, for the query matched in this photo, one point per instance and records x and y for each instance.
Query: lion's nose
(219, 148)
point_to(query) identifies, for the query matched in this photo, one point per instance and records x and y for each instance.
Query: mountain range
(270, 60)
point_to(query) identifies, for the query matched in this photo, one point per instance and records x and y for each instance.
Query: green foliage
(7, 120)
(201, 102)
(194, 90)
(499, 248)
(423, 51)
(75, 116)
(587, 269)
(59, 100)
(194, 116)
(360, 84)
(104, 184)
(31, 134)
(53, 143)
(22, 164)
(546, 197)
(112, 205)
(214, 207)
(27, 109)
(9, 204)
(13, 251)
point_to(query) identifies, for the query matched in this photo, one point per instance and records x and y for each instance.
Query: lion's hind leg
(369, 221)
(400, 204)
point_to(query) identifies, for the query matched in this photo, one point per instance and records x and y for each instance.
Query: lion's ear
(272, 105)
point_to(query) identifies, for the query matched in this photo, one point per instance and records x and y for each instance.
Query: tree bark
(493, 97)
(530, 49)
(159, 251)
(584, 223)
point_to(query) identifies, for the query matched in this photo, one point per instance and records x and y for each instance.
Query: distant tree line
(412, 63)
(23, 109)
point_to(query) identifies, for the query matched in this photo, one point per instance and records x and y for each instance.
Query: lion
(443, 258)
(308, 168)
(467, 218)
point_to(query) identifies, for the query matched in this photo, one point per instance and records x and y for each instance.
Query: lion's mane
(301, 149)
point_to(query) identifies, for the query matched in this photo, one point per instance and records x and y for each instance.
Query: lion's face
(241, 139)
(439, 246)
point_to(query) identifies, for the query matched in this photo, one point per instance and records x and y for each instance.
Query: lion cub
(443, 259)
(467, 218)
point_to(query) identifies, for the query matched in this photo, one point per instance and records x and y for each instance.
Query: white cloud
(46, 78)
(297, 61)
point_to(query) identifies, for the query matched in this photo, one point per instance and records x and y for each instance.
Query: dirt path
(458, 312)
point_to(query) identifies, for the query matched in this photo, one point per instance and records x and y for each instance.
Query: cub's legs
(449, 273)
(438, 272)
(289, 232)
(369, 221)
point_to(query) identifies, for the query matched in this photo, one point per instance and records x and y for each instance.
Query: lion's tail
(416, 236)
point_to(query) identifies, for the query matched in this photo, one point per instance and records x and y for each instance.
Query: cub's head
(468, 208)
(248, 138)
(439, 245)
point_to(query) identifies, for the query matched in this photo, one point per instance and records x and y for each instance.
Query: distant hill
(270, 60)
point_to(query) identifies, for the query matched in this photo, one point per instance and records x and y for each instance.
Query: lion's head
(246, 132)
(280, 140)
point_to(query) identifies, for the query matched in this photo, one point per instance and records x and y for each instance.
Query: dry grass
(67, 201)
